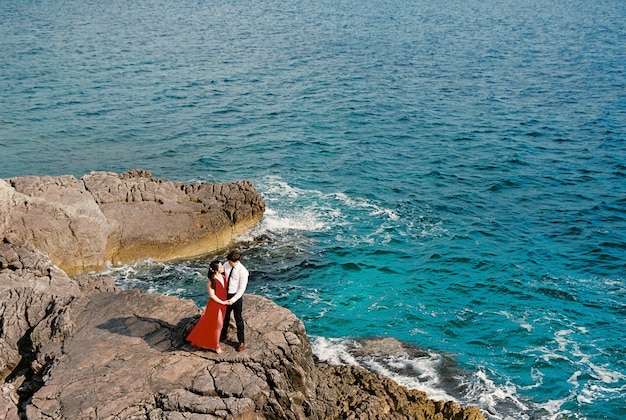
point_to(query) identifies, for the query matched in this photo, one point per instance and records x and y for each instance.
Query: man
(237, 276)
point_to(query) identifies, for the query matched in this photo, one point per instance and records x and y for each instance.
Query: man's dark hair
(233, 255)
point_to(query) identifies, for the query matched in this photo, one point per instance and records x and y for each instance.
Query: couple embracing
(226, 285)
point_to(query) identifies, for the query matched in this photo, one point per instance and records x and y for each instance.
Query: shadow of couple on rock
(159, 334)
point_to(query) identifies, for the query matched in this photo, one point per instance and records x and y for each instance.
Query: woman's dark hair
(213, 269)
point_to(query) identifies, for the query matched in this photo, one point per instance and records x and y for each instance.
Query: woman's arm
(214, 297)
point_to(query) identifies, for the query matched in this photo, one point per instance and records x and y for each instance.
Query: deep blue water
(451, 174)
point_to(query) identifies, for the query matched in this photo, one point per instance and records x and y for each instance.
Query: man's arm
(243, 283)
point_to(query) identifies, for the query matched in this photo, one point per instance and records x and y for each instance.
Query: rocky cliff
(75, 347)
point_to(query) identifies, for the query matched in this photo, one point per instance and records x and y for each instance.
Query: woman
(206, 333)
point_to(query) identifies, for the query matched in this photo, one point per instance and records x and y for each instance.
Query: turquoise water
(450, 174)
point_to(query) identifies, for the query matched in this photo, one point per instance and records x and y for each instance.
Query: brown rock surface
(75, 347)
(127, 357)
(83, 224)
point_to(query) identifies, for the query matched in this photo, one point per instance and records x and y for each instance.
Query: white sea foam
(424, 372)
(361, 203)
(526, 326)
(274, 186)
(605, 374)
(537, 376)
(292, 209)
(523, 323)
(492, 397)
(146, 275)
(275, 190)
(425, 375)
(130, 272)
(574, 378)
(332, 351)
(590, 382)
(277, 221)
(418, 331)
(592, 392)
(313, 296)
(552, 409)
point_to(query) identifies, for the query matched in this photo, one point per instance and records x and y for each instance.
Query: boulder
(108, 218)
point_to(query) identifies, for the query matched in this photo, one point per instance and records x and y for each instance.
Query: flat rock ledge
(76, 347)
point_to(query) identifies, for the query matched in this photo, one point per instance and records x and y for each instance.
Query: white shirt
(238, 281)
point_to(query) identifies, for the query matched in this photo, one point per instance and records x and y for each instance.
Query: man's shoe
(241, 347)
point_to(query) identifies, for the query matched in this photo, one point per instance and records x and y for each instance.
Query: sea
(448, 175)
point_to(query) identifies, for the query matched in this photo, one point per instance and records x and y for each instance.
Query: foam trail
(429, 372)
(276, 222)
(419, 373)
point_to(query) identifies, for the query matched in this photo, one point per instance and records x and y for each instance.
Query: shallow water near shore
(451, 175)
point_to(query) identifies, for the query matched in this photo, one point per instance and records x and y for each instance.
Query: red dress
(207, 331)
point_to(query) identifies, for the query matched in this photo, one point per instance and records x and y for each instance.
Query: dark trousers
(237, 309)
